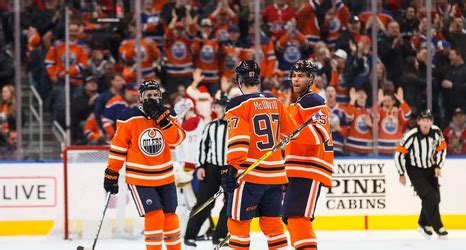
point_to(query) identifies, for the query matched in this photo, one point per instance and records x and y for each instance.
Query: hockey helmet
(426, 114)
(149, 85)
(222, 100)
(247, 72)
(305, 66)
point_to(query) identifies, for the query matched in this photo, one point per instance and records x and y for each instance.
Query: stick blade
(83, 248)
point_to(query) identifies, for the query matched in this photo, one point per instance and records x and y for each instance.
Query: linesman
(212, 157)
(421, 154)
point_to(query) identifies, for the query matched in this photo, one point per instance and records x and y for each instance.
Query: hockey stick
(283, 142)
(223, 242)
(107, 199)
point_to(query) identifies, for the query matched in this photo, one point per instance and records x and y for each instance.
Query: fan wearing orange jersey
(150, 55)
(307, 21)
(267, 57)
(359, 141)
(143, 139)
(308, 167)
(92, 131)
(205, 51)
(392, 120)
(55, 59)
(179, 59)
(256, 121)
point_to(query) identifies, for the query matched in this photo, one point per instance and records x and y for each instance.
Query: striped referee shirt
(421, 151)
(214, 143)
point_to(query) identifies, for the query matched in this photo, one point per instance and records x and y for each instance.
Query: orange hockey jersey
(145, 147)
(337, 80)
(178, 52)
(256, 122)
(311, 161)
(391, 127)
(267, 59)
(150, 54)
(91, 129)
(206, 58)
(307, 21)
(338, 22)
(360, 134)
(229, 58)
(55, 61)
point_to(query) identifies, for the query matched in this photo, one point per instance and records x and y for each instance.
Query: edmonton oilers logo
(151, 142)
(207, 53)
(361, 126)
(292, 54)
(178, 50)
(231, 62)
(390, 125)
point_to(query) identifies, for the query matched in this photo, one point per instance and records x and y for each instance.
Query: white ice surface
(328, 240)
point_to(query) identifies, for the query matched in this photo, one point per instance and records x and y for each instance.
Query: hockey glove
(162, 116)
(154, 110)
(150, 108)
(228, 179)
(111, 181)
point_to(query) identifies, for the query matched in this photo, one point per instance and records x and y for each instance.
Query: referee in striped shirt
(212, 157)
(421, 154)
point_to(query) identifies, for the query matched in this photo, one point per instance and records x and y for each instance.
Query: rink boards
(366, 194)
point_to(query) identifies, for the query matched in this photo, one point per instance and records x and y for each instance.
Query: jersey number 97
(264, 125)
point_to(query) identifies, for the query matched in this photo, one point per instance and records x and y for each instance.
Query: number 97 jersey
(256, 122)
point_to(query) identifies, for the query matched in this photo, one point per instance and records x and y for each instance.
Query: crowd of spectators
(192, 47)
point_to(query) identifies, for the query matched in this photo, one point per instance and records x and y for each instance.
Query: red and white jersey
(178, 52)
(276, 18)
(188, 151)
(360, 134)
(206, 58)
(391, 127)
(145, 147)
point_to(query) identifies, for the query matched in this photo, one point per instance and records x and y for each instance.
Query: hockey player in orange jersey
(308, 167)
(256, 121)
(143, 139)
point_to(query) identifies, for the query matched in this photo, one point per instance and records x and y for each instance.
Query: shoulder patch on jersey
(130, 113)
(310, 100)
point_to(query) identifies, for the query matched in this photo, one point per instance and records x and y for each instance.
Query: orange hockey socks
(153, 229)
(171, 232)
(301, 232)
(239, 231)
(272, 227)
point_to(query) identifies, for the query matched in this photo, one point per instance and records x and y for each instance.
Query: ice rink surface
(328, 240)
